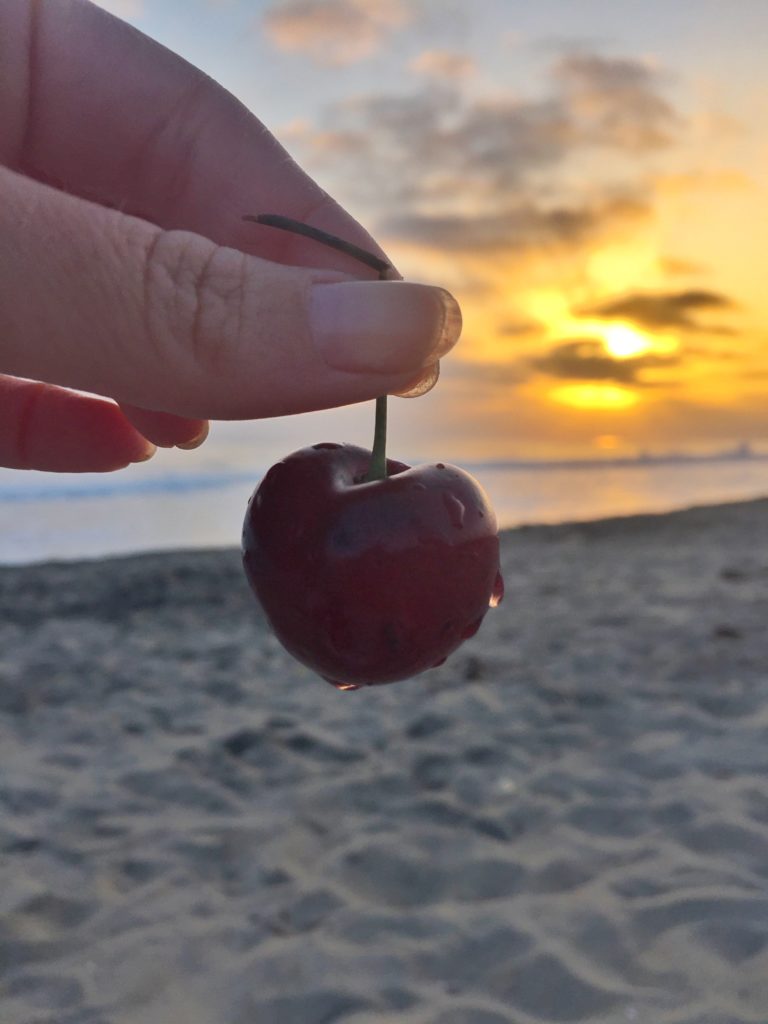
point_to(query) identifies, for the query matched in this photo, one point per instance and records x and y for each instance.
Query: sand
(566, 822)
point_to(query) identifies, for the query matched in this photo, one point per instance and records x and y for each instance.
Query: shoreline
(126, 523)
(609, 522)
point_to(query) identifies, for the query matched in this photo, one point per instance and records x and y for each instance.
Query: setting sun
(596, 209)
(624, 342)
(598, 216)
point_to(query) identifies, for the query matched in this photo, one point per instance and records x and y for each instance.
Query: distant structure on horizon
(744, 451)
(741, 451)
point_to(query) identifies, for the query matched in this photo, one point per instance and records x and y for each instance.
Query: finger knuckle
(193, 300)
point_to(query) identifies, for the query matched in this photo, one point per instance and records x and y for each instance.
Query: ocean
(148, 508)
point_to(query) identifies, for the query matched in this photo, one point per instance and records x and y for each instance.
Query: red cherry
(370, 582)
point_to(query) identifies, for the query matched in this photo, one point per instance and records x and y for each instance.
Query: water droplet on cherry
(497, 595)
(456, 510)
(345, 687)
(440, 465)
(325, 446)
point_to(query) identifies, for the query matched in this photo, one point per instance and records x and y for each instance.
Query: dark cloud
(438, 147)
(523, 228)
(506, 140)
(667, 309)
(440, 166)
(587, 359)
(519, 328)
(468, 376)
(616, 102)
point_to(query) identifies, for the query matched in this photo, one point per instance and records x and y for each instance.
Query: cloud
(522, 227)
(587, 359)
(519, 328)
(442, 166)
(333, 32)
(667, 309)
(434, 137)
(443, 64)
(616, 102)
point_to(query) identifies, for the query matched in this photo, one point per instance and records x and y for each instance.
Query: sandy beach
(566, 822)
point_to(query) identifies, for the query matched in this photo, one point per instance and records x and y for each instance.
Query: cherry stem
(298, 227)
(378, 467)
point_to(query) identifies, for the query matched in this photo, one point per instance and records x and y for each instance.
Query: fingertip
(422, 385)
(197, 440)
(44, 427)
(165, 430)
(149, 452)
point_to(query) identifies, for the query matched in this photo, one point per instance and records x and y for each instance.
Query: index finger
(91, 105)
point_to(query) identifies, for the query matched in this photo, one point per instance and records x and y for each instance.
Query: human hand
(127, 271)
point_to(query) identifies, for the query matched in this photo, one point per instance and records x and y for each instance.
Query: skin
(135, 303)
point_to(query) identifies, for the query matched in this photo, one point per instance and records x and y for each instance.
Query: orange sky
(616, 308)
(589, 180)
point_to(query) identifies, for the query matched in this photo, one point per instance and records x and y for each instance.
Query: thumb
(167, 320)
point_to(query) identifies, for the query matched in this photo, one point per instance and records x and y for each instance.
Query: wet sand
(568, 821)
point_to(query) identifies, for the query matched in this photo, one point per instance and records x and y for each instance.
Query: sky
(588, 178)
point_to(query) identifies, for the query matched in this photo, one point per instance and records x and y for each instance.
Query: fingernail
(383, 326)
(422, 384)
(196, 441)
